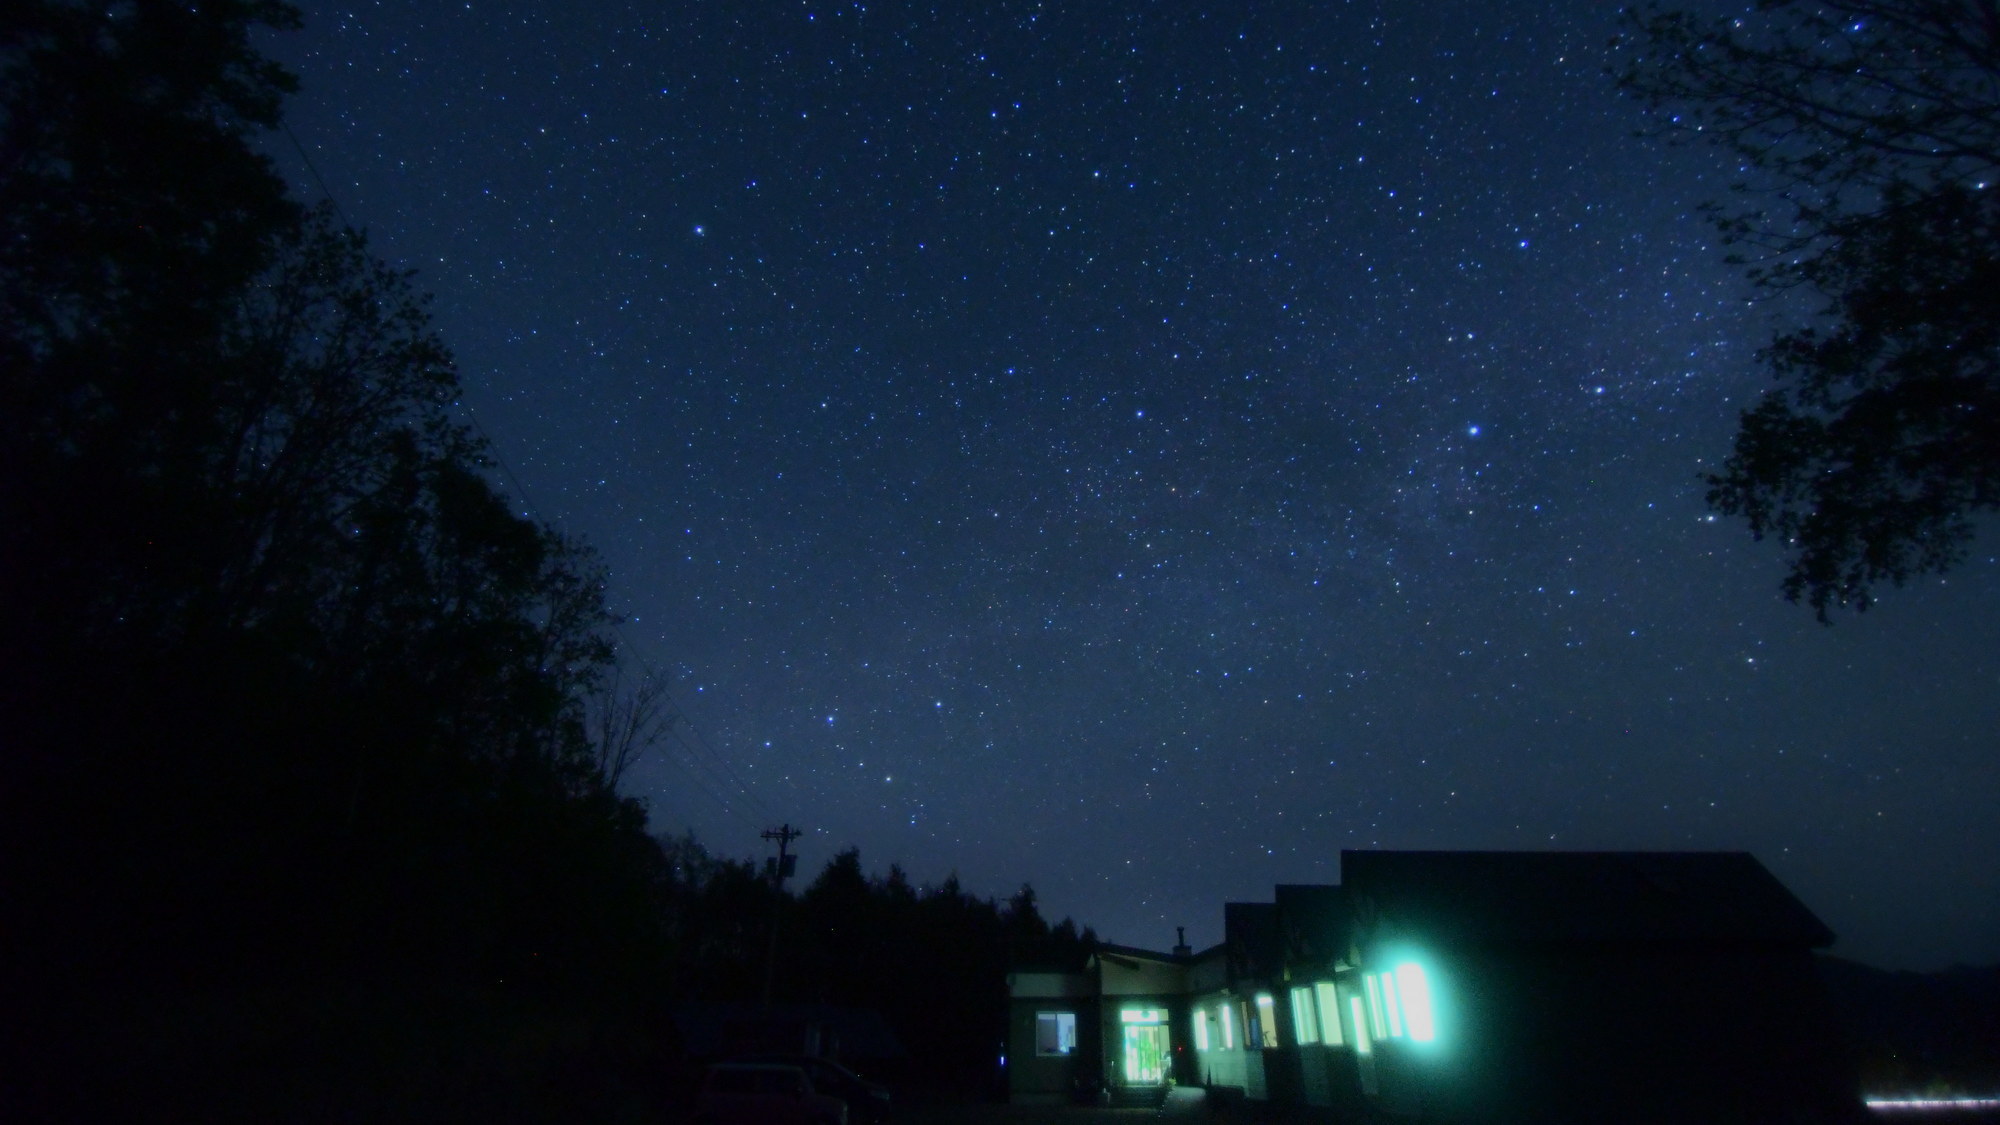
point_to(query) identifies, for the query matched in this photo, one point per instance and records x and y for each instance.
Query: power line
(317, 178)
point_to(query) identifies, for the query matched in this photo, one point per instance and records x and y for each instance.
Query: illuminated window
(1200, 1030)
(1329, 1013)
(1363, 1044)
(1414, 989)
(1267, 1020)
(1375, 1028)
(1228, 1029)
(1055, 1033)
(1303, 1022)
(1391, 1006)
(1142, 1015)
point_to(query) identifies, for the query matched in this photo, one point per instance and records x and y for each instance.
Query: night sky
(1143, 449)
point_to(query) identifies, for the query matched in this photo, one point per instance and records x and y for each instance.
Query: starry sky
(1142, 449)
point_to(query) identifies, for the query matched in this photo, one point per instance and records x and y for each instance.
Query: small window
(1303, 1022)
(1329, 1013)
(1267, 1020)
(1392, 1005)
(1364, 1044)
(1055, 1033)
(1375, 1028)
(1228, 1029)
(1200, 1030)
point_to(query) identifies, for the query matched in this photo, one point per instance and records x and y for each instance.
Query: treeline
(301, 815)
(931, 961)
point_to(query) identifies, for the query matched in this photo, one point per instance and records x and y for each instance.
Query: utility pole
(779, 869)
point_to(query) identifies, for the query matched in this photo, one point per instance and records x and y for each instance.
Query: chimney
(1180, 942)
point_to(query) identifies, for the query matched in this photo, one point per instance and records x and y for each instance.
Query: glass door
(1145, 1055)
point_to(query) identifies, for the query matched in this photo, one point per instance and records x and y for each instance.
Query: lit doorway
(1146, 1046)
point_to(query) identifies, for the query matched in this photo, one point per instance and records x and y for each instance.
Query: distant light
(1472, 430)
(700, 231)
(1933, 1103)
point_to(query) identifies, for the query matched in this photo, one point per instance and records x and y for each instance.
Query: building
(1106, 1028)
(1468, 986)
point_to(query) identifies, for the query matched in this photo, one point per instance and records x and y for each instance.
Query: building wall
(1239, 1068)
(1135, 977)
(1661, 1035)
(1049, 1079)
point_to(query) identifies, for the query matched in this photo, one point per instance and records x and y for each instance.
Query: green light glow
(1363, 1045)
(1142, 1015)
(1267, 1020)
(1201, 1031)
(1303, 1023)
(1329, 1013)
(1228, 1029)
(1391, 1006)
(1415, 990)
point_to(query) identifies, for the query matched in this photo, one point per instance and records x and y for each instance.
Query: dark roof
(1107, 949)
(1312, 923)
(1678, 898)
(1250, 930)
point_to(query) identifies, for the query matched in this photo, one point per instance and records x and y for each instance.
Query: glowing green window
(1375, 1028)
(1228, 1029)
(1303, 1023)
(1414, 989)
(1363, 1044)
(1329, 1013)
(1391, 1006)
(1200, 1030)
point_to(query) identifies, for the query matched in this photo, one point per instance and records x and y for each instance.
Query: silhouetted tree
(1869, 135)
(293, 720)
(630, 717)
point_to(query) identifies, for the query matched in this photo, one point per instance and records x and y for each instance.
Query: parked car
(738, 1093)
(867, 1102)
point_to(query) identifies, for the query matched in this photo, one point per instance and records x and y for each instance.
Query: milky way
(1144, 449)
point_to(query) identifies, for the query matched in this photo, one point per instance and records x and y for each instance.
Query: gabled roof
(1636, 898)
(1134, 953)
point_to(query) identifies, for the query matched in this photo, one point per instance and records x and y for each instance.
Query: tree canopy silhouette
(1869, 135)
(291, 693)
(308, 741)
